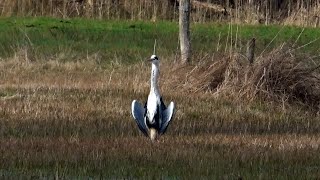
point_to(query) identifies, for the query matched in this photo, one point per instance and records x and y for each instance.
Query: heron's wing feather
(167, 115)
(163, 106)
(138, 114)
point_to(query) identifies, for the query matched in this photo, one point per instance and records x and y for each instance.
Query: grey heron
(154, 118)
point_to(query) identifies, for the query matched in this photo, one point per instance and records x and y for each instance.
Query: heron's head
(154, 60)
(153, 134)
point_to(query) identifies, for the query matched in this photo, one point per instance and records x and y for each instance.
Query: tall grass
(303, 13)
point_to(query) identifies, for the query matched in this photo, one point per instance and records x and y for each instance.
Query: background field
(66, 86)
(77, 38)
(293, 12)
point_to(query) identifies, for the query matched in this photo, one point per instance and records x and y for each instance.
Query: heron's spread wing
(138, 114)
(166, 117)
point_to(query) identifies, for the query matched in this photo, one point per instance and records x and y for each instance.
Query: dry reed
(304, 13)
(281, 75)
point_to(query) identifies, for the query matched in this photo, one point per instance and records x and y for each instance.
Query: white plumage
(154, 118)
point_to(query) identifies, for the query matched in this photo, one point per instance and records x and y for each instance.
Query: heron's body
(154, 118)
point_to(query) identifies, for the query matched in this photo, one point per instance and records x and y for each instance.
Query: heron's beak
(153, 133)
(148, 60)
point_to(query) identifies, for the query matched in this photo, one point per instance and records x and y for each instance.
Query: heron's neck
(154, 78)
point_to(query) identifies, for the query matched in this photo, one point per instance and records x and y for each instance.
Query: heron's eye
(156, 58)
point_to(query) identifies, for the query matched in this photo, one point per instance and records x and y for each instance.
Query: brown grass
(281, 76)
(74, 118)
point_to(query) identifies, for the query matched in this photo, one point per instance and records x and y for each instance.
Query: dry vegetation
(297, 12)
(73, 119)
(282, 75)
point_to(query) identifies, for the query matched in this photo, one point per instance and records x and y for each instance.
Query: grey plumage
(153, 119)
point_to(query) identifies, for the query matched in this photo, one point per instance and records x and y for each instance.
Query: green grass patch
(130, 41)
(7, 92)
(79, 37)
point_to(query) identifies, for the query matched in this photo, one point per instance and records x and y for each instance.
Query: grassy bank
(46, 38)
(65, 93)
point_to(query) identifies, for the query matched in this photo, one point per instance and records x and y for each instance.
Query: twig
(272, 40)
(307, 44)
(298, 37)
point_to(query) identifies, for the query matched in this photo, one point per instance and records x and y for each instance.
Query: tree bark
(184, 30)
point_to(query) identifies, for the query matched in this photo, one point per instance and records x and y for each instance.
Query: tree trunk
(184, 31)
